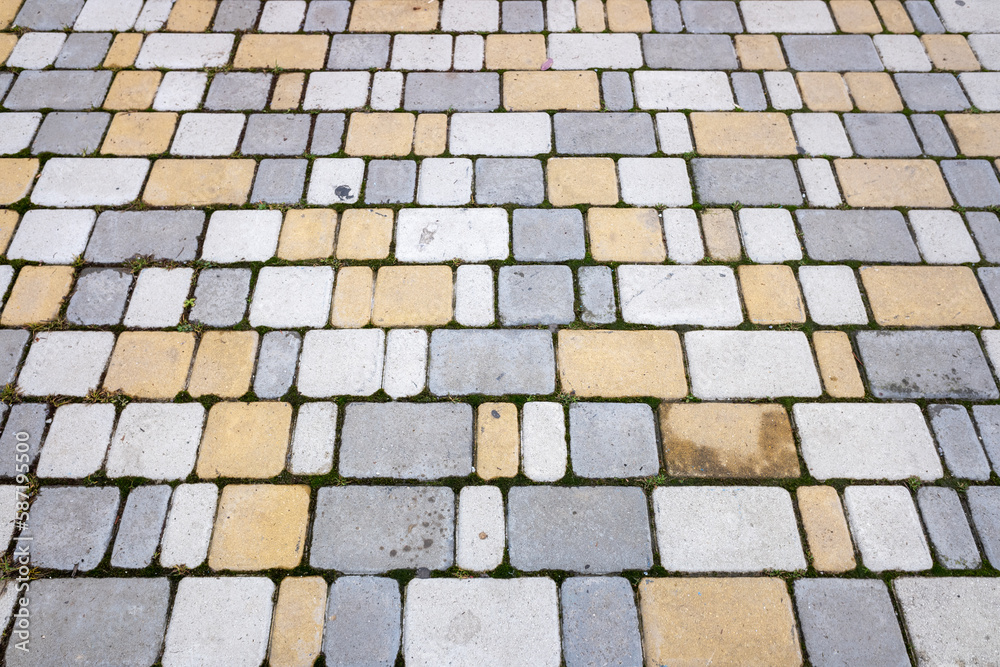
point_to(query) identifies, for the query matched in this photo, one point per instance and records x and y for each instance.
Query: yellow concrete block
(352, 298)
(247, 440)
(498, 440)
(260, 527)
(625, 235)
(37, 295)
(617, 364)
(307, 234)
(582, 180)
(837, 365)
(826, 528)
(224, 364)
(150, 364)
(413, 296)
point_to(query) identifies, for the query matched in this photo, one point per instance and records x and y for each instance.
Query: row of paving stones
(531, 620)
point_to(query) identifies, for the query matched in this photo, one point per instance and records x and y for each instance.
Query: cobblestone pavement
(479, 333)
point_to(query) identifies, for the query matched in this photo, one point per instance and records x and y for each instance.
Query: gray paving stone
(458, 91)
(600, 133)
(12, 342)
(986, 230)
(923, 16)
(220, 299)
(958, 442)
(327, 16)
(547, 235)
(83, 50)
(391, 181)
(599, 622)
(509, 181)
(752, 182)
(933, 135)
(365, 616)
(121, 235)
(984, 505)
(492, 362)
(69, 133)
(29, 418)
(988, 420)
(279, 355)
(749, 91)
(99, 297)
(926, 364)
(141, 524)
(522, 16)
(279, 181)
(236, 91)
(597, 294)
(617, 91)
(355, 52)
(699, 52)
(943, 514)
(849, 622)
(881, 135)
(71, 526)
(711, 16)
(72, 622)
(48, 14)
(328, 135)
(592, 530)
(6, 78)
(931, 92)
(857, 235)
(276, 134)
(236, 15)
(406, 440)
(535, 294)
(613, 440)
(62, 90)
(973, 182)
(371, 529)
(831, 53)
(666, 16)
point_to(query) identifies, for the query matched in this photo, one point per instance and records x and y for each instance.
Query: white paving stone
(444, 234)
(6, 276)
(672, 295)
(674, 133)
(983, 89)
(782, 90)
(886, 528)
(902, 53)
(336, 180)
(405, 362)
(481, 536)
(337, 90)
(821, 186)
(832, 295)
(189, 526)
(470, 51)
(282, 16)
(154, 15)
(292, 297)
(474, 295)
(769, 235)
(727, 529)
(821, 134)
(36, 50)
(111, 15)
(52, 237)
(241, 236)
(470, 16)
(19, 130)
(422, 52)
(543, 441)
(516, 134)
(654, 181)
(180, 91)
(158, 298)
(208, 134)
(560, 15)
(68, 363)
(991, 341)
(313, 439)
(156, 440)
(445, 182)
(72, 182)
(969, 16)
(699, 91)
(345, 362)
(987, 50)
(184, 51)
(943, 238)
(387, 91)
(77, 441)
(683, 234)
(579, 51)
(805, 16)
(8, 501)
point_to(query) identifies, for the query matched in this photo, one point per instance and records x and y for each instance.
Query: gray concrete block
(121, 235)
(711, 16)
(933, 135)
(613, 440)
(456, 91)
(29, 418)
(597, 294)
(699, 52)
(279, 355)
(276, 134)
(986, 230)
(355, 52)
(616, 88)
(973, 182)
(749, 91)
(984, 505)
(666, 16)
(831, 53)
(988, 420)
(237, 91)
(328, 135)
(548, 235)
(857, 235)
(364, 626)
(220, 298)
(12, 342)
(141, 525)
(492, 362)
(99, 297)
(958, 442)
(881, 135)
(535, 294)
(599, 622)
(69, 133)
(924, 18)
(236, 15)
(522, 16)
(391, 181)
(509, 181)
(48, 14)
(752, 182)
(600, 133)
(83, 50)
(71, 526)
(279, 181)
(62, 90)
(931, 92)
(327, 16)
(943, 514)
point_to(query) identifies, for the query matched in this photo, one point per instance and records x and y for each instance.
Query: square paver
(156, 440)
(260, 527)
(65, 362)
(613, 440)
(71, 526)
(535, 294)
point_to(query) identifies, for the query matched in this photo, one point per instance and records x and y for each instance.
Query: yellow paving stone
(733, 440)
(718, 621)
(771, 294)
(224, 364)
(431, 135)
(124, 50)
(133, 91)
(412, 296)
(394, 16)
(150, 364)
(515, 51)
(625, 235)
(37, 295)
(260, 527)
(365, 233)
(258, 51)
(950, 52)
(824, 91)
(7, 43)
(629, 16)
(307, 234)
(873, 91)
(139, 133)
(288, 91)
(722, 238)
(299, 616)
(855, 16)
(8, 10)
(498, 440)
(739, 133)
(199, 182)
(191, 15)
(582, 180)
(760, 52)
(16, 176)
(837, 365)
(826, 528)
(590, 15)
(894, 16)
(925, 296)
(978, 135)
(541, 91)
(616, 364)
(380, 134)
(8, 221)
(891, 183)
(248, 440)
(352, 298)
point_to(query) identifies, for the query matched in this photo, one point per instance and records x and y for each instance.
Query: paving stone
(335, 181)
(943, 514)
(769, 235)
(481, 534)
(282, 16)
(849, 622)
(221, 297)
(69, 363)
(826, 529)
(901, 296)
(299, 616)
(751, 182)
(61, 90)
(958, 442)
(535, 295)
(547, 235)
(924, 18)
(701, 16)
(497, 441)
(771, 294)
(886, 528)
(522, 16)
(654, 181)
(543, 441)
(83, 51)
(613, 440)
(224, 364)
(346, 362)
(141, 524)
(514, 134)
(617, 90)
(644, 363)
(984, 505)
(260, 527)
(597, 294)
(986, 48)
(902, 53)
(675, 90)
(71, 526)
(943, 237)
(364, 621)
(683, 234)
(509, 181)
(247, 440)
(236, 15)
(488, 362)
(327, 16)
(459, 91)
(358, 52)
(749, 91)
(599, 622)
(830, 53)
(77, 441)
(440, 235)
(121, 235)
(292, 297)
(832, 295)
(696, 52)
(19, 131)
(276, 134)
(29, 418)
(484, 16)
(36, 50)
(391, 181)
(313, 440)
(12, 342)
(581, 51)
(667, 296)
(156, 441)
(180, 91)
(881, 135)
(48, 14)
(988, 420)
(666, 16)
(973, 182)
(422, 52)
(238, 90)
(592, 530)
(52, 237)
(931, 92)
(189, 525)
(71, 182)
(158, 298)
(208, 134)
(70, 133)
(866, 236)
(445, 182)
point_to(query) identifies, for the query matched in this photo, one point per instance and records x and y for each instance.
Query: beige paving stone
(894, 16)
(307, 234)
(718, 621)
(582, 180)
(199, 182)
(519, 52)
(891, 183)
(352, 298)
(617, 364)
(248, 440)
(978, 135)
(824, 91)
(139, 133)
(771, 294)
(299, 616)
(498, 440)
(837, 365)
(258, 51)
(224, 364)
(722, 238)
(413, 296)
(365, 233)
(590, 15)
(826, 528)
(925, 296)
(7, 43)
(124, 50)
(150, 364)
(551, 90)
(260, 527)
(288, 91)
(394, 16)
(8, 221)
(629, 16)
(8, 10)
(380, 134)
(760, 52)
(625, 235)
(132, 91)
(742, 134)
(37, 295)
(191, 15)
(431, 135)
(950, 52)
(732, 440)
(873, 91)
(855, 16)
(16, 177)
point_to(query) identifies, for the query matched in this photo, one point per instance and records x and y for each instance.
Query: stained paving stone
(948, 528)
(958, 442)
(613, 440)
(121, 235)
(599, 622)
(984, 505)
(71, 526)
(752, 182)
(70, 133)
(29, 418)
(141, 524)
(597, 294)
(491, 362)
(857, 235)
(220, 298)
(535, 294)
(99, 297)
(364, 623)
